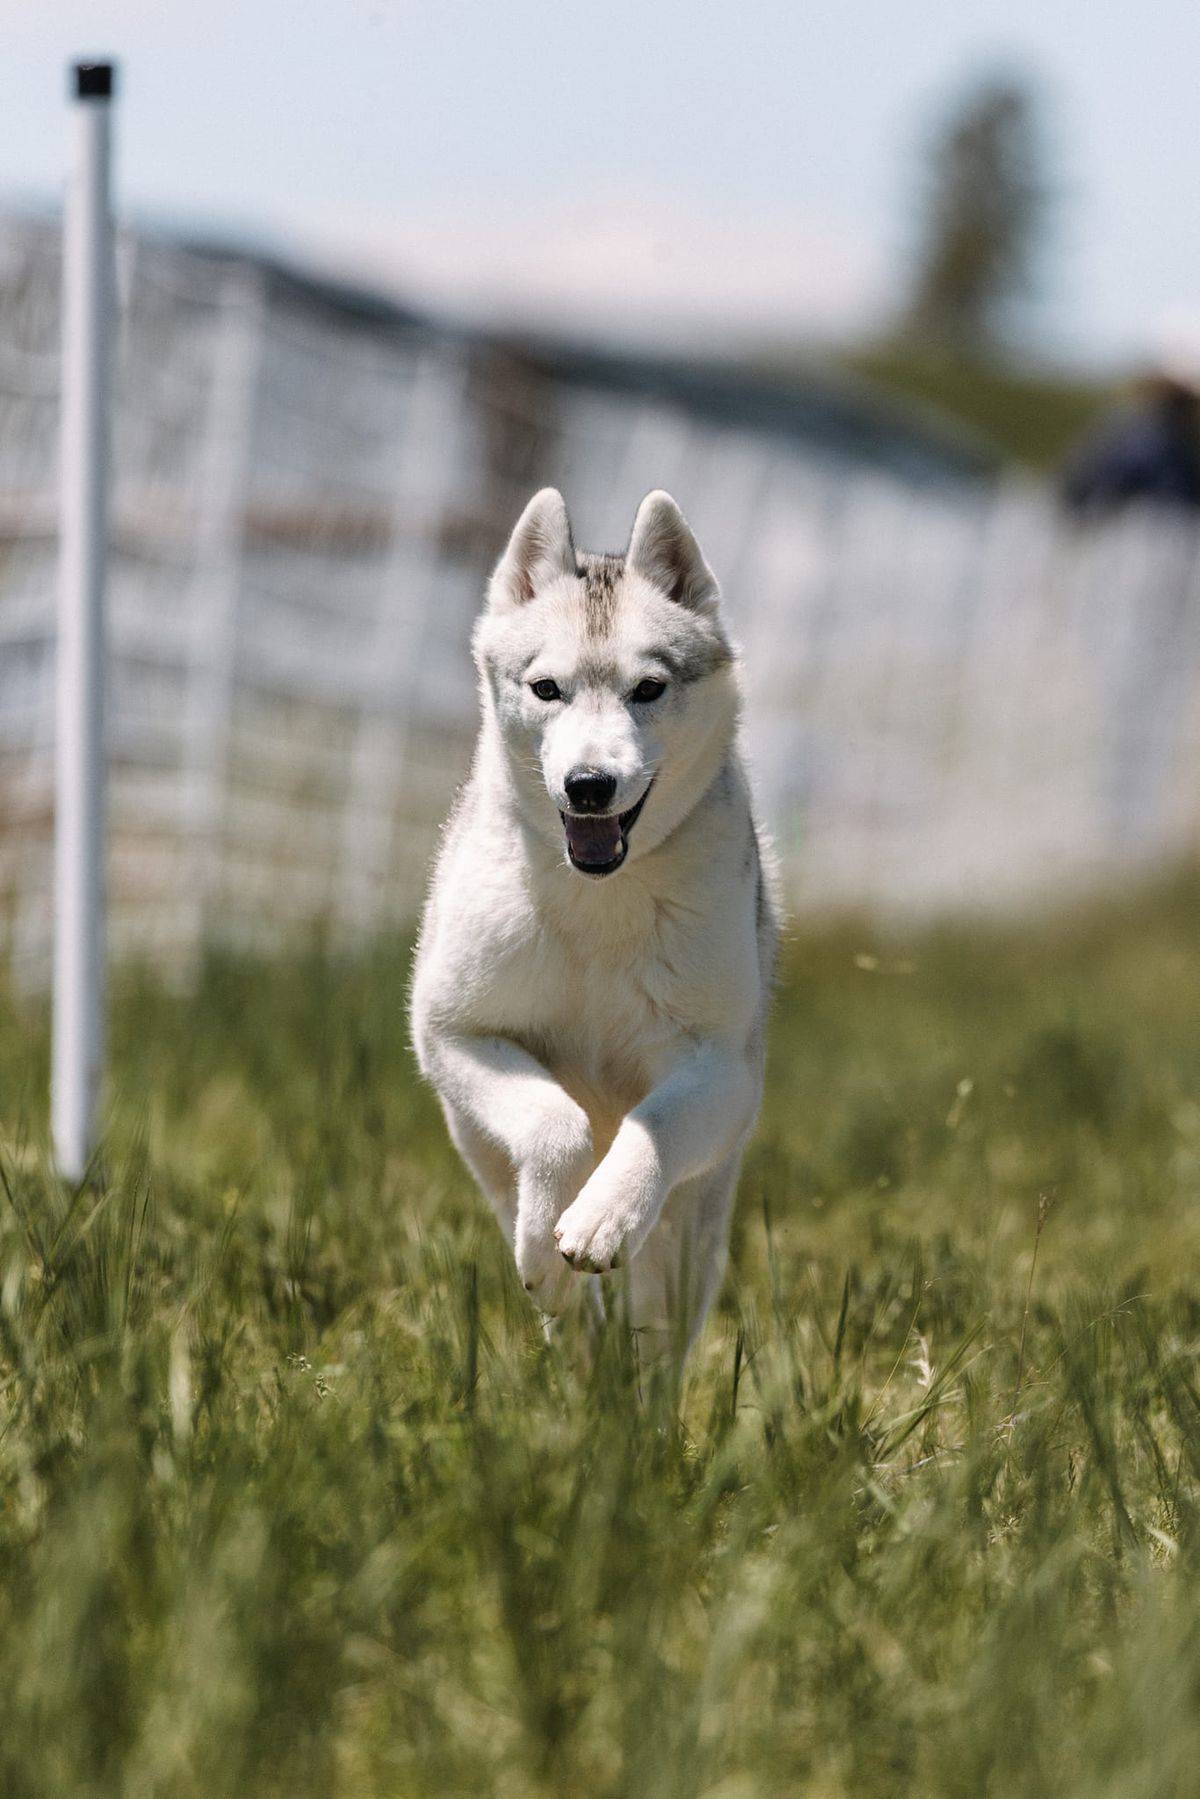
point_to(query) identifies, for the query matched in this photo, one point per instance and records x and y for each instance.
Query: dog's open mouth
(598, 846)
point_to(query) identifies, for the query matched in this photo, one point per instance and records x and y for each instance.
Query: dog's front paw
(608, 1223)
(592, 1238)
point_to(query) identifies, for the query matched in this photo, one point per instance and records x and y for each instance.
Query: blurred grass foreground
(295, 1500)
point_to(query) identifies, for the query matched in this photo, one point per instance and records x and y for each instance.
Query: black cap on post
(92, 81)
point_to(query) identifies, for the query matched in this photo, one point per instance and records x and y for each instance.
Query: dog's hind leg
(677, 1273)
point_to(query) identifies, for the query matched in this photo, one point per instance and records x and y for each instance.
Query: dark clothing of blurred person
(1151, 452)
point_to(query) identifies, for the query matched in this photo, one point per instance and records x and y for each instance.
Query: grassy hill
(1032, 418)
(295, 1500)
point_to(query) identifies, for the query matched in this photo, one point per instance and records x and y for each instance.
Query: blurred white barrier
(955, 697)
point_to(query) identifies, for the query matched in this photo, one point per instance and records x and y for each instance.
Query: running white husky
(595, 960)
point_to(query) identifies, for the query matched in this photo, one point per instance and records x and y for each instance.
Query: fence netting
(956, 697)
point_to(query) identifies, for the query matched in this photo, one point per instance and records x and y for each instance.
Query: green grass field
(295, 1501)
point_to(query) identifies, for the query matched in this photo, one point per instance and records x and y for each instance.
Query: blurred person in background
(1149, 451)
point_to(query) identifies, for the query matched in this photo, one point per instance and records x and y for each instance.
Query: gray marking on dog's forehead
(616, 621)
(601, 576)
(691, 648)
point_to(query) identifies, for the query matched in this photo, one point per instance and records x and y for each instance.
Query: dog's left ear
(664, 551)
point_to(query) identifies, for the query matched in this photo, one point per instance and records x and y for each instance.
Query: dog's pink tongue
(593, 841)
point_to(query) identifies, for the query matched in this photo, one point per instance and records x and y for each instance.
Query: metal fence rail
(954, 697)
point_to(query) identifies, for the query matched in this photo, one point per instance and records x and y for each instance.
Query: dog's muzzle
(598, 846)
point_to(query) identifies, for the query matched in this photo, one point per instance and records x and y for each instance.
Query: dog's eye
(645, 691)
(546, 690)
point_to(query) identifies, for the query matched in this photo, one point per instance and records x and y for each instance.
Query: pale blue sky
(631, 159)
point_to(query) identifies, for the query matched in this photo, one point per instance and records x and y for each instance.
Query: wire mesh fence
(955, 697)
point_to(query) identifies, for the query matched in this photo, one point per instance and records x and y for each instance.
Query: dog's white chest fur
(591, 981)
(606, 984)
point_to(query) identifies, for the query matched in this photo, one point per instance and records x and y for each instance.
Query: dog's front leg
(498, 1093)
(685, 1125)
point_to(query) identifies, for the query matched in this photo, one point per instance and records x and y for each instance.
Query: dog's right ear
(540, 548)
(663, 549)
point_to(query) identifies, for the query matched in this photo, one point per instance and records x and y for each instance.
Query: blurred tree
(984, 213)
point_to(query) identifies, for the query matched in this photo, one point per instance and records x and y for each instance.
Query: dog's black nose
(588, 790)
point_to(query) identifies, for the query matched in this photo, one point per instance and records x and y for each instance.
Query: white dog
(592, 980)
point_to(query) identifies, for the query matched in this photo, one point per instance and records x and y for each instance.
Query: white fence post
(78, 1038)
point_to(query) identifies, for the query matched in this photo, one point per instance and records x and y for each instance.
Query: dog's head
(611, 679)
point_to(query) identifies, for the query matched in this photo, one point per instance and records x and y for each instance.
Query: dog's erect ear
(539, 549)
(663, 550)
